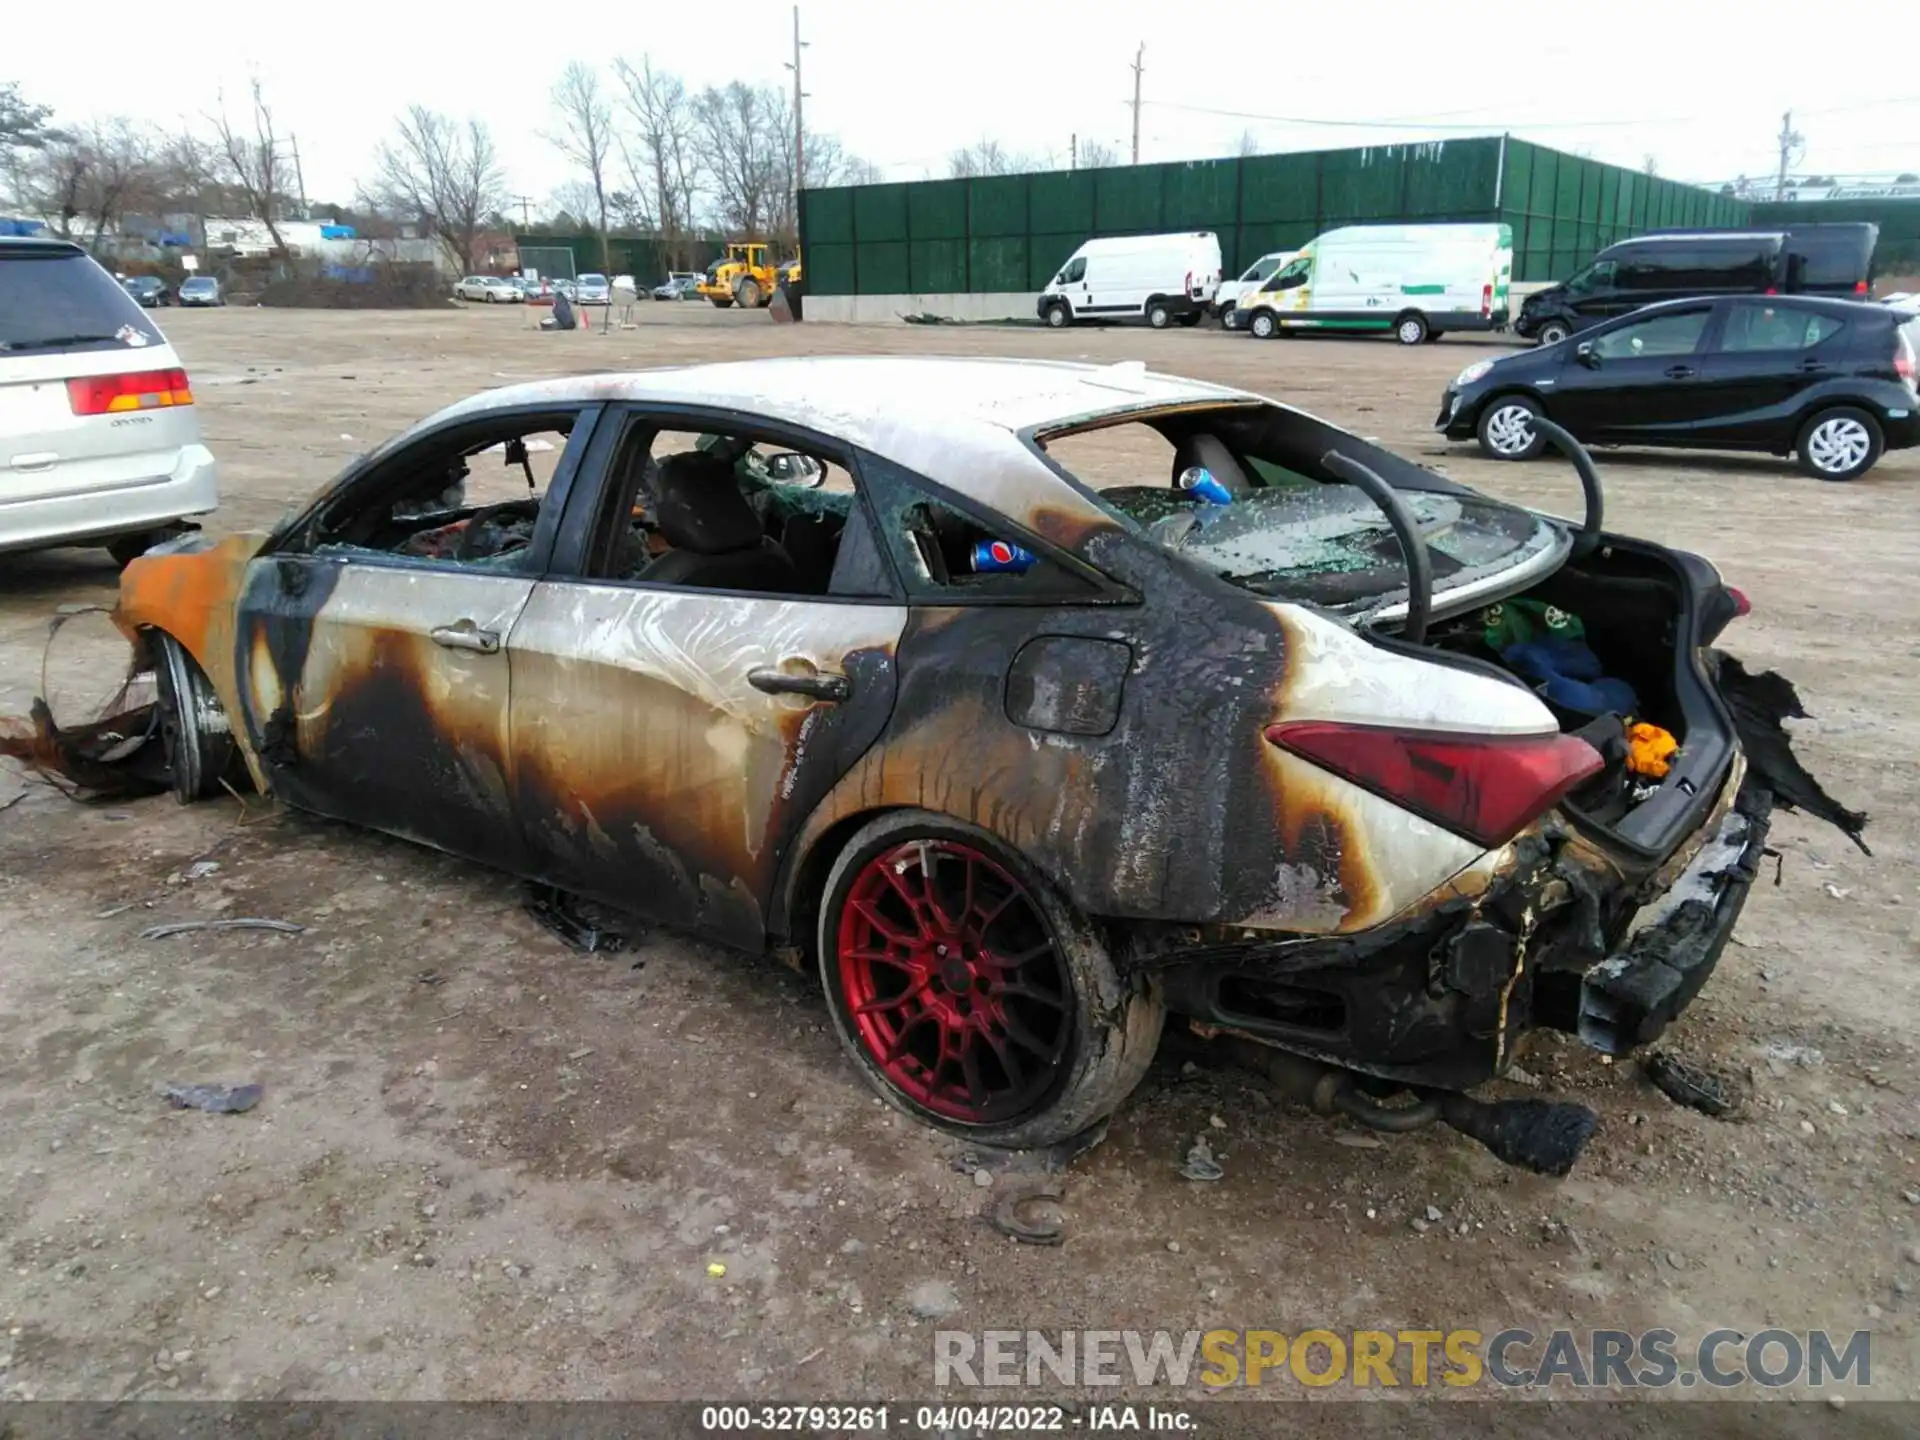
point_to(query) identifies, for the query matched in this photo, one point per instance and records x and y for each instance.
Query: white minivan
(99, 442)
(1415, 281)
(1226, 300)
(1162, 279)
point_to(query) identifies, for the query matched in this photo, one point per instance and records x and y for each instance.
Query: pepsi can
(1199, 480)
(990, 556)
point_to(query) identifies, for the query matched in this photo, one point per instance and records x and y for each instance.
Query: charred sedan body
(837, 657)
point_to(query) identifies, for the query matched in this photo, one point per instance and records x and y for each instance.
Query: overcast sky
(1698, 84)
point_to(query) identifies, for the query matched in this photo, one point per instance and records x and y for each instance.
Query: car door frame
(1742, 424)
(421, 701)
(648, 853)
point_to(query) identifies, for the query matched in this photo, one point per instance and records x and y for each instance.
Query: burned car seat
(716, 537)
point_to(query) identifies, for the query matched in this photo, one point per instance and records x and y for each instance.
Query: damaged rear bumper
(1629, 998)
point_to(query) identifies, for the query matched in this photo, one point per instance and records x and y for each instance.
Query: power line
(1409, 124)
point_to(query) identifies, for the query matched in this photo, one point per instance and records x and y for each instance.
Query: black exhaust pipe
(1543, 1136)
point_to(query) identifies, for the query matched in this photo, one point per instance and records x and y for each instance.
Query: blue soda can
(1200, 481)
(995, 555)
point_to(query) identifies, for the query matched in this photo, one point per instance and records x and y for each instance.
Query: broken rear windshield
(1269, 516)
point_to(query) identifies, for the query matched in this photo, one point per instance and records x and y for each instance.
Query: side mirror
(1584, 353)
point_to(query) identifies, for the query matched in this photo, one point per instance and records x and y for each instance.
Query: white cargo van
(1417, 281)
(1162, 279)
(1226, 299)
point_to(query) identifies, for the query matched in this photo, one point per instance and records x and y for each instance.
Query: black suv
(1833, 380)
(1834, 260)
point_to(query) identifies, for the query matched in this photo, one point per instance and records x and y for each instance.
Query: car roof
(959, 422)
(1825, 304)
(36, 245)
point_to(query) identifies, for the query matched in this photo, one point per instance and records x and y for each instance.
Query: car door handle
(465, 635)
(1813, 367)
(1681, 372)
(820, 684)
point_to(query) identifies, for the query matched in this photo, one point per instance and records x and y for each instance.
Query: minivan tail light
(1903, 365)
(1486, 300)
(136, 390)
(1859, 287)
(1486, 787)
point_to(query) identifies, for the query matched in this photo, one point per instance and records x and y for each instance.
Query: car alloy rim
(1552, 335)
(1839, 444)
(953, 982)
(1510, 429)
(1410, 331)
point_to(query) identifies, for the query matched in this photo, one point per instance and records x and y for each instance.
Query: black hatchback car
(1830, 380)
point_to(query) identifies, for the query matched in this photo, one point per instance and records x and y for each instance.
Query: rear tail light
(1190, 289)
(1859, 287)
(1772, 291)
(1741, 604)
(1486, 787)
(138, 390)
(1903, 365)
(1486, 300)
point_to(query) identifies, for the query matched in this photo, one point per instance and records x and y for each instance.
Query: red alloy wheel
(954, 982)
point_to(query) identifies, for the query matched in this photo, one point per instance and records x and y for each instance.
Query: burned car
(1319, 750)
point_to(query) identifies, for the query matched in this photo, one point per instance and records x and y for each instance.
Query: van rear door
(1831, 260)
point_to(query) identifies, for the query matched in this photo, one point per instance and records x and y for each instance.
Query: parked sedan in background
(201, 290)
(149, 290)
(1832, 381)
(488, 289)
(677, 286)
(593, 290)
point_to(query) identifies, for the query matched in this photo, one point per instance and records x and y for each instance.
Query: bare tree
(663, 161)
(571, 206)
(443, 174)
(1097, 155)
(125, 174)
(24, 132)
(586, 136)
(989, 157)
(248, 158)
(55, 179)
(1248, 144)
(861, 172)
(740, 131)
(1650, 164)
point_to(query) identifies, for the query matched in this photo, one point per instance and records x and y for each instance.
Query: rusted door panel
(358, 712)
(652, 773)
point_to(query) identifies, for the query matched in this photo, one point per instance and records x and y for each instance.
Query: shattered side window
(949, 556)
(473, 502)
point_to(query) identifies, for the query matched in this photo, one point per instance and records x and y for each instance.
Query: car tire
(193, 728)
(747, 294)
(1553, 332)
(1230, 318)
(1411, 328)
(1839, 444)
(721, 302)
(1262, 325)
(1086, 1032)
(1059, 316)
(1188, 320)
(1158, 315)
(1505, 430)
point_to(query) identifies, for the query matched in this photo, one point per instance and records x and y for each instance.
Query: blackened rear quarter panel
(1175, 812)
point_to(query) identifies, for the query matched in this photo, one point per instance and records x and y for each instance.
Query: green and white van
(1417, 281)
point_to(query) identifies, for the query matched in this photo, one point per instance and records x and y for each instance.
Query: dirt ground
(487, 1165)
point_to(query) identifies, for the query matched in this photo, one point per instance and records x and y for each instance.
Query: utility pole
(299, 177)
(523, 201)
(1789, 140)
(799, 127)
(1073, 152)
(1138, 56)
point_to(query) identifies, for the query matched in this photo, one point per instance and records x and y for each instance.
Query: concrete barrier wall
(888, 309)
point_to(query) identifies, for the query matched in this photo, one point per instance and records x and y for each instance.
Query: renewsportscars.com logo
(1589, 1359)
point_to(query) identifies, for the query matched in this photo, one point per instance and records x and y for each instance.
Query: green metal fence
(1563, 208)
(1009, 233)
(645, 257)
